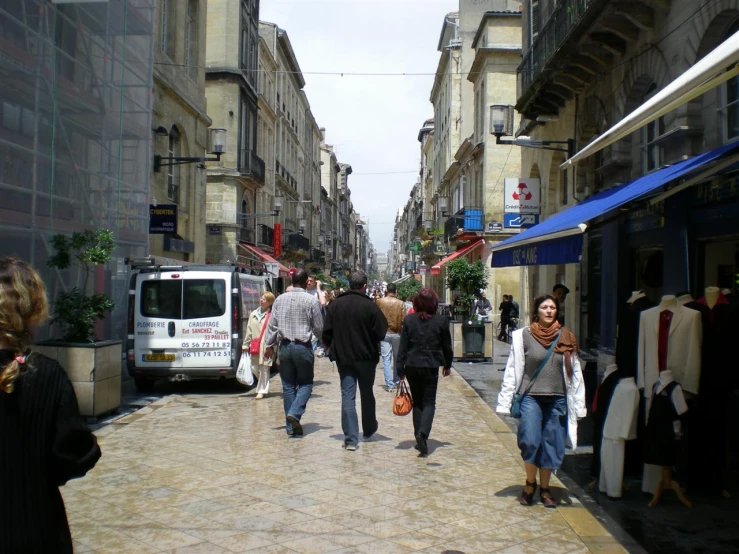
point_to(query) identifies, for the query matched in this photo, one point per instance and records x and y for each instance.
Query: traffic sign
(520, 221)
(495, 227)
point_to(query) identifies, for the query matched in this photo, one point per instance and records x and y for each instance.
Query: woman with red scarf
(544, 369)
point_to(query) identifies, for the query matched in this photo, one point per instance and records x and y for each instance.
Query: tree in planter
(408, 288)
(466, 278)
(76, 311)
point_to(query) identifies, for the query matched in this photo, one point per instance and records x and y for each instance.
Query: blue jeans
(296, 373)
(542, 430)
(389, 350)
(362, 373)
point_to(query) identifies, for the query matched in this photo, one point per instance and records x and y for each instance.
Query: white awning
(403, 278)
(715, 68)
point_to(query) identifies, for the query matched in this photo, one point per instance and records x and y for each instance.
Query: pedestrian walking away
(44, 441)
(255, 331)
(505, 309)
(394, 311)
(295, 315)
(425, 345)
(353, 329)
(544, 368)
(560, 292)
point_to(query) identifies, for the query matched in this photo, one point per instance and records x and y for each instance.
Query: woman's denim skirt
(542, 430)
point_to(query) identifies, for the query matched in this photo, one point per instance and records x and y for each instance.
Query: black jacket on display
(424, 343)
(353, 328)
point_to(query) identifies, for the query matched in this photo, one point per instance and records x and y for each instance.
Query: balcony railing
(296, 241)
(252, 164)
(246, 235)
(265, 235)
(467, 219)
(567, 16)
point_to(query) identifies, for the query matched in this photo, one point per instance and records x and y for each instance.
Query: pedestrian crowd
(44, 442)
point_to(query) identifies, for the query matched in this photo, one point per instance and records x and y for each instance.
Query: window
(651, 150)
(244, 137)
(191, 38)
(161, 299)
(730, 109)
(203, 298)
(165, 36)
(534, 20)
(173, 171)
(565, 182)
(244, 209)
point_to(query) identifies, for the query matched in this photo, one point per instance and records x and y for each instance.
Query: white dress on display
(620, 426)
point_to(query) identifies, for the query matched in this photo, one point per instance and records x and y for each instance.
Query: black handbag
(518, 397)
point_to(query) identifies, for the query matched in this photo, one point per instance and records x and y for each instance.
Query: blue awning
(558, 240)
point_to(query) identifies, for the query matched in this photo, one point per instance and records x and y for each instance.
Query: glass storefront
(75, 131)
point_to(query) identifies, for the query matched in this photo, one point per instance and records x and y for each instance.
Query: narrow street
(214, 472)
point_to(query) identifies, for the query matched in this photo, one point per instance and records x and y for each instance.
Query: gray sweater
(551, 380)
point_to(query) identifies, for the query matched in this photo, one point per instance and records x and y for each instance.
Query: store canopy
(262, 256)
(716, 67)
(436, 270)
(558, 240)
(403, 278)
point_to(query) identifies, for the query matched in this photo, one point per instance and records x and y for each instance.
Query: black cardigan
(353, 328)
(424, 343)
(44, 442)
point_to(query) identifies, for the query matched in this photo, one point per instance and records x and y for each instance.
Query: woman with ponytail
(543, 372)
(44, 442)
(425, 346)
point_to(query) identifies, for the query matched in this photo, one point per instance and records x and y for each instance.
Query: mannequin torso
(712, 296)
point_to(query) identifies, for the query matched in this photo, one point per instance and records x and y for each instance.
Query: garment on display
(684, 298)
(707, 422)
(670, 338)
(601, 404)
(620, 426)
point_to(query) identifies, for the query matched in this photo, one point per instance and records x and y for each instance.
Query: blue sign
(566, 250)
(520, 221)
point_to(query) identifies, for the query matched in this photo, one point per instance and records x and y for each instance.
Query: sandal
(547, 499)
(527, 498)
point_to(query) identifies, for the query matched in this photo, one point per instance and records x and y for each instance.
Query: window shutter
(534, 19)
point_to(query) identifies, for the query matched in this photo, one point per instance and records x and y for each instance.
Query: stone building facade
(232, 63)
(181, 122)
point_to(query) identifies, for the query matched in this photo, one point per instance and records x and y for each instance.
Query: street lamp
(501, 125)
(218, 147)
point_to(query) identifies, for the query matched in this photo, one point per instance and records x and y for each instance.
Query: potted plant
(93, 365)
(468, 279)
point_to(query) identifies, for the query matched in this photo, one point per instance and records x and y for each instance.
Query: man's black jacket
(353, 328)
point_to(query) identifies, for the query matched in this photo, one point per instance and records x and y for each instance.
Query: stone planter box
(95, 372)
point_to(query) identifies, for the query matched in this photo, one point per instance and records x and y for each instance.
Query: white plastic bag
(243, 373)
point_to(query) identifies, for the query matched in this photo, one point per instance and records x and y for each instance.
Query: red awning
(436, 270)
(262, 255)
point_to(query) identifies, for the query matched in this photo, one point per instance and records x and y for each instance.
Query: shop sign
(522, 196)
(719, 190)
(520, 221)
(277, 240)
(162, 219)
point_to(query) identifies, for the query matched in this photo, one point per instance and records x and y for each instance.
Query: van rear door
(206, 319)
(158, 320)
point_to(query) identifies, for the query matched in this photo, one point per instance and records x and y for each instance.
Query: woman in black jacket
(43, 440)
(425, 345)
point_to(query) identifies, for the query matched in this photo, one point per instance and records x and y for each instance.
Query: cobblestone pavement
(215, 473)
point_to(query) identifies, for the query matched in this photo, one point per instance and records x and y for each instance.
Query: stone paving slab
(216, 473)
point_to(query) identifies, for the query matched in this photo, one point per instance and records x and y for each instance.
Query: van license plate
(159, 357)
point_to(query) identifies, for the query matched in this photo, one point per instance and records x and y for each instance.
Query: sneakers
(295, 424)
(390, 389)
(349, 447)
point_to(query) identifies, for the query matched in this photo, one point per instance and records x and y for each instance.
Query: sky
(372, 121)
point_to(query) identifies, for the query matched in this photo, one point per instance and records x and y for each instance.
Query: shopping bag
(243, 372)
(403, 402)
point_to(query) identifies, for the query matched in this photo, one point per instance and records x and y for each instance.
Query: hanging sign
(277, 240)
(522, 196)
(162, 219)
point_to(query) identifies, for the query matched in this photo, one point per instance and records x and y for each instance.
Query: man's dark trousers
(296, 372)
(351, 375)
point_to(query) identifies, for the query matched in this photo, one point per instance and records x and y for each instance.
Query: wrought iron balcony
(251, 164)
(296, 241)
(347, 249)
(578, 41)
(265, 235)
(467, 219)
(246, 235)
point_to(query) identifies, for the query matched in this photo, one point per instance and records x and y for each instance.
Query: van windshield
(202, 298)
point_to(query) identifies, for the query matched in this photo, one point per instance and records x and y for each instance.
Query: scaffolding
(75, 131)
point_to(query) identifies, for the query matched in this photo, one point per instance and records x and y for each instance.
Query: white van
(188, 322)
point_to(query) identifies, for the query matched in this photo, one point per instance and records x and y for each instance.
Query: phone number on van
(209, 354)
(217, 344)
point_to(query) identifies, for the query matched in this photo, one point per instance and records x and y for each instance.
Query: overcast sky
(372, 121)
